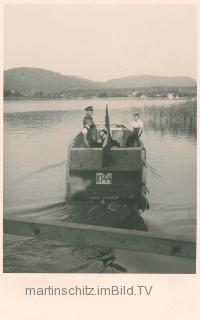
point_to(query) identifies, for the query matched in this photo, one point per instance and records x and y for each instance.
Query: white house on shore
(170, 96)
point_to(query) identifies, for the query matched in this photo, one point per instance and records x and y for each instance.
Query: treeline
(150, 92)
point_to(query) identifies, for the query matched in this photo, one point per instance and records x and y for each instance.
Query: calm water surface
(36, 136)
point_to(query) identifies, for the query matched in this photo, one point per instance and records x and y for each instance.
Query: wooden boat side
(127, 167)
(123, 159)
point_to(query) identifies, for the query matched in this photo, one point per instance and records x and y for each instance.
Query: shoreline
(86, 99)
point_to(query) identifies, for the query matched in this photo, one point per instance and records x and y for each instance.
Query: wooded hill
(31, 80)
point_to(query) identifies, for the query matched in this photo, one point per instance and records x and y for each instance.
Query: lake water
(36, 136)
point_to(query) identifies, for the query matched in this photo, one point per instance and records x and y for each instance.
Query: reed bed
(176, 117)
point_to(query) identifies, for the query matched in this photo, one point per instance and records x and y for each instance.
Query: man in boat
(89, 113)
(88, 134)
(137, 127)
(89, 119)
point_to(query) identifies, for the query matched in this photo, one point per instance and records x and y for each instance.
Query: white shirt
(136, 124)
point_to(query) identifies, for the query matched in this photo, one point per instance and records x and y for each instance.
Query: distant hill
(35, 79)
(30, 80)
(150, 81)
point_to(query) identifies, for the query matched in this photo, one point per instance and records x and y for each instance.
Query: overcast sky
(100, 42)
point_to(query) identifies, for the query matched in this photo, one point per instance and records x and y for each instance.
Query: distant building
(134, 93)
(170, 96)
(143, 96)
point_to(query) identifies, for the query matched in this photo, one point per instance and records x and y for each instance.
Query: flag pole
(106, 151)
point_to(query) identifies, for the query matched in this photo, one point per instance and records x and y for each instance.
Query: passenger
(137, 127)
(88, 135)
(88, 115)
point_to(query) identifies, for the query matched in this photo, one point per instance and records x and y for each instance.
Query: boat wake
(41, 170)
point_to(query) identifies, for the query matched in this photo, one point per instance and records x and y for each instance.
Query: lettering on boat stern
(103, 178)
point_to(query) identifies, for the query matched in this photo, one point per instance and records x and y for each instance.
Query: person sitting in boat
(137, 127)
(88, 135)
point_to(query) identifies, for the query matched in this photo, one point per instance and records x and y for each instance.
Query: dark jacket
(85, 121)
(89, 136)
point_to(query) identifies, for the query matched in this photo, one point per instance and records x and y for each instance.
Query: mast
(106, 151)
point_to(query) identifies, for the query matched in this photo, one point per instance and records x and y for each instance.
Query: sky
(102, 42)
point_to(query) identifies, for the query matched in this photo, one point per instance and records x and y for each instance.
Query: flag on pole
(106, 151)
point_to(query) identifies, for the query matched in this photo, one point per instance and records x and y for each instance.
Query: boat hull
(124, 185)
(124, 179)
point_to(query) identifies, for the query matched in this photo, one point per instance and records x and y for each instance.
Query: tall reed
(175, 117)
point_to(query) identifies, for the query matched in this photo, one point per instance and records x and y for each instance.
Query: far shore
(106, 98)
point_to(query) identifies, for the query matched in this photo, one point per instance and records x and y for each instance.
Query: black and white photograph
(100, 138)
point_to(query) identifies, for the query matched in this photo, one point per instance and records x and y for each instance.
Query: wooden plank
(124, 159)
(86, 235)
(85, 159)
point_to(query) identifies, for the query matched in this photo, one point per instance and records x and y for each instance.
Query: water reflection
(173, 130)
(25, 122)
(30, 121)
